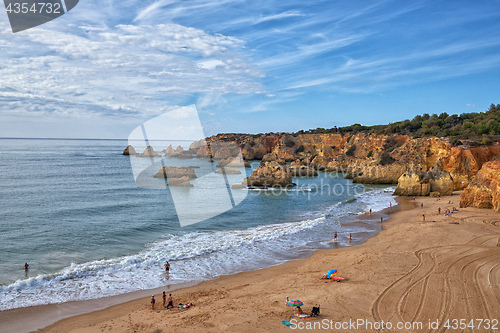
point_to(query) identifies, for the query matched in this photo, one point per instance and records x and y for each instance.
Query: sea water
(73, 211)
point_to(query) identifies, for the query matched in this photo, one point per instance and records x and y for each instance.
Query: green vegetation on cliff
(477, 125)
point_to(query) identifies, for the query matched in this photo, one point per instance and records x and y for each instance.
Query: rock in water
(175, 172)
(228, 171)
(420, 183)
(270, 174)
(484, 190)
(149, 152)
(129, 150)
(182, 181)
(169, 151)
(236, 162)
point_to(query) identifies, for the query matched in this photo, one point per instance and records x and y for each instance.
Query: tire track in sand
(449, 282)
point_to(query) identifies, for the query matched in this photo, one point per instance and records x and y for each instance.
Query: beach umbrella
(331, 273)
(294, 302)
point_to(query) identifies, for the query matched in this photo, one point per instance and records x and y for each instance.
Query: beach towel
(305, 317)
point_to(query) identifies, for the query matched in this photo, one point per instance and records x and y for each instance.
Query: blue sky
(248, 66)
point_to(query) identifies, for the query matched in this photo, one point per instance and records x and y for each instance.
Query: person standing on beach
(439, 210)
(26, 266)
(422, 205)
(170, 302)
(335, 236)
(167, 267)
(164, 299)
(350, 237)
(423, 217)
(381, 219)
(370, 211)
(153, 302)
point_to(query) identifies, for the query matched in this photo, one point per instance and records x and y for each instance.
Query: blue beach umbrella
(331, 273)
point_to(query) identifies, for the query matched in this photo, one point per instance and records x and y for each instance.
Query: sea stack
(129, 150)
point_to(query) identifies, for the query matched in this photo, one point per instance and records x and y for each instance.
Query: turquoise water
(72, 210)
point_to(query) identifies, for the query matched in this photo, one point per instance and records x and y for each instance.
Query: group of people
(170, 304)
(335, 236)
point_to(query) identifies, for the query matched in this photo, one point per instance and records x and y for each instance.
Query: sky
(254, 66)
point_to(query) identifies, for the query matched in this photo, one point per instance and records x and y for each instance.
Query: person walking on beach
(335, 236)
(167, 267)
(350, 237)
(170, 303)
(153, 302)
(164, 299)
(439, 210)
(381, 219)
(370, 211)
(422, 205)
(423, 217)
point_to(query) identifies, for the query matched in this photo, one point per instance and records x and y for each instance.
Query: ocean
(72, 210)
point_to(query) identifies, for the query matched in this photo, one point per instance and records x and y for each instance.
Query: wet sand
(447, 267)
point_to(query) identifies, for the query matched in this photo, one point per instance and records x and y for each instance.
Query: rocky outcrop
(181, 181)
(271, 157)
(320, 162)
(234, 162)
(415, 182)
(363, 157)
(375, 173)
(183, 154)
(195, 146)
(178, 152)
(465, 162)
(149, 152)
(300, 170)
(484, 189)
(169, 151)
(129, 150)
(228, 171)
(175, 172)
(270, 174)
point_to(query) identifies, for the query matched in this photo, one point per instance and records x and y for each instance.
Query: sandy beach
(413, 271)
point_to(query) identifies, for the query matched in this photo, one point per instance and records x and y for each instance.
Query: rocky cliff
(415, 182)
(363, 157)
(484, 190)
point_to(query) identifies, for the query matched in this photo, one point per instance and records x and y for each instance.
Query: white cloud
(211, 64)
(121, 71)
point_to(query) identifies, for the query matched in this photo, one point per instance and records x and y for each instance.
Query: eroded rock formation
(484, 190)
(270, 174)
(129, 150)
(415, 182)
(149, 152)
(180, 181)
(228, 171)
(175, 172)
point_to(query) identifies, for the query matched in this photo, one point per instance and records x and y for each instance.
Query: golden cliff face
(369, 158)
(484, 190)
